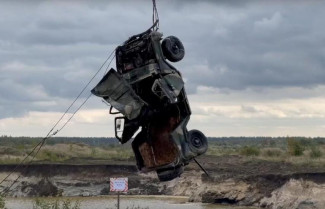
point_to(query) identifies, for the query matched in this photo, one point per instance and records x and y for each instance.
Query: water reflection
(109, 202)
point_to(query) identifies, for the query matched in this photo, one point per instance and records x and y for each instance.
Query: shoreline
(234, 181)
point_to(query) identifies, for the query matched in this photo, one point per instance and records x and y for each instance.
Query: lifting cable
(109, 64)
(51, 132)
(155, 16)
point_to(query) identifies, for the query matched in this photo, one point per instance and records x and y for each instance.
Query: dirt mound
(43, 188)
(296, 194)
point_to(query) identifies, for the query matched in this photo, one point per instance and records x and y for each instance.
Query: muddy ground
(233, 180)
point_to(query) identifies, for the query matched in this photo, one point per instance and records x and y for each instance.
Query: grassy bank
(64, 150)
(296, 150)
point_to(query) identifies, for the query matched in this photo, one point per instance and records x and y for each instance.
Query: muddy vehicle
(149, 92)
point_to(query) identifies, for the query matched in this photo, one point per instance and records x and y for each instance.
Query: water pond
(126, 202)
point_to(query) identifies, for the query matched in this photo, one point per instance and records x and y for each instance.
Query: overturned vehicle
(149, 92)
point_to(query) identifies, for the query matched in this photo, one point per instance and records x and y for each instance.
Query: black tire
(170, 174)
(198, 143)
(173, 49)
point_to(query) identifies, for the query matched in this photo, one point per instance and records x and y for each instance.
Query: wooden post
(118, 200)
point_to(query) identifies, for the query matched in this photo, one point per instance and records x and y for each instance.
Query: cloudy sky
(252, 68)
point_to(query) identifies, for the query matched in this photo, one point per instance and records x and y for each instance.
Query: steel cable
(155, 16)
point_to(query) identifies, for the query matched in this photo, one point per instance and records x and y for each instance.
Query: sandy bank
(250, 184)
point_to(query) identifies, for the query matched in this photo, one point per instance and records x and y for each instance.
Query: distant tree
(295, 147)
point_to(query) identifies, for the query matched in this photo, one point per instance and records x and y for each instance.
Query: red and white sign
(119, 184)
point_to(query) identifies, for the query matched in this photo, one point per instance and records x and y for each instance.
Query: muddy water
(125, 203)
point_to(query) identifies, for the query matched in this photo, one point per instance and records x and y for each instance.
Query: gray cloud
(275, 48)
(50, 49)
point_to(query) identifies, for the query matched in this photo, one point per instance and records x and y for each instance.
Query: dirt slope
(233, 180)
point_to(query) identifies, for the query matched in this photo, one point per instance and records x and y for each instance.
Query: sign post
(118, 200)
(118, 185)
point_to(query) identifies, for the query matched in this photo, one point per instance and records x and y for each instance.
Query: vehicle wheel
(170, 174)
(198, 143)
(173, 49)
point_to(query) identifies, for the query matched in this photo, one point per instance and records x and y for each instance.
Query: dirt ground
(232, 180)
(265, 175)
(239, 166)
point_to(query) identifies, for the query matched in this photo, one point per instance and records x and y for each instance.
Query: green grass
(272, 152)
(2, 202)
(60, 153)
(132, 207)
(250, 151)
(291, 149)
(55, 204)
(315, 152)
(40, 203)
(297, 151)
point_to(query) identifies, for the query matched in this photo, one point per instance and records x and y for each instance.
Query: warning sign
(119, 184)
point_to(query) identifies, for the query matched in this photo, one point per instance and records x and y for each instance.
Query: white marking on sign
(119, 184)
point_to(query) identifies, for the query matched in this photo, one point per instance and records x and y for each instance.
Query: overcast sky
(252, 68)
